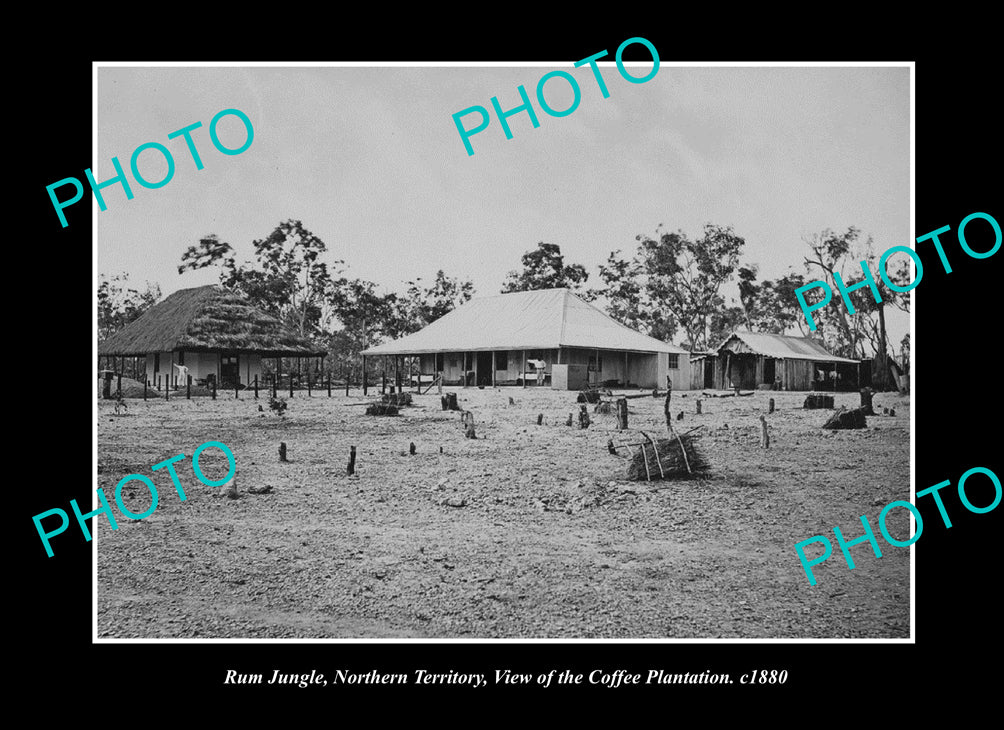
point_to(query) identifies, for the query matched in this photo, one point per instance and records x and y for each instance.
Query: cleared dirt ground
(551, 540)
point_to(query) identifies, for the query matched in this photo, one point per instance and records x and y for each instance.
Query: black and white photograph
(561, 387)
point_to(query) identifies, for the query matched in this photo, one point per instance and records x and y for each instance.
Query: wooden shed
(774, 362)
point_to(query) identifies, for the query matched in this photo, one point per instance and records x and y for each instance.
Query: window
(674, 362)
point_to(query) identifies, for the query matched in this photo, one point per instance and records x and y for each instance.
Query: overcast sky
(370, 160)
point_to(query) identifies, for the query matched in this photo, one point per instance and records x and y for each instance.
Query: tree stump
(843, 418)
(540, 418)
(583, 417)
(815, 400)
(467, 418)
(351, 468)
(698, 406)
(622, 414)
(282, 451)
(450, 402)
(610, 447)
(866, 401)
(411, 448)
(764, 436)
(665, 406)
(569, 421)
(511, 401)
(770, 406)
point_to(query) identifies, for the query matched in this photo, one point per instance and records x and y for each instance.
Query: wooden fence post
(145, 383)
(214, 386)
(256, 386)
(188, 388)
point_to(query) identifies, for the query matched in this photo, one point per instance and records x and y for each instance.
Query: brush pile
(666, 461)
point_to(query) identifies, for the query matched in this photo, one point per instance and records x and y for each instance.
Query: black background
(957, 391)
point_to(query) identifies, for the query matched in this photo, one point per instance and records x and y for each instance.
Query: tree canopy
(118, 305)
(545, 268)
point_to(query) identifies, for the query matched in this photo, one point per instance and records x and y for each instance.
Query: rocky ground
(527, 531)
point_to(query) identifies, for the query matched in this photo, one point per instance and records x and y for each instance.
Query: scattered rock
(454, 502)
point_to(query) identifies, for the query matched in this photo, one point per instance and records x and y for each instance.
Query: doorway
(230, 372)
(484, 368)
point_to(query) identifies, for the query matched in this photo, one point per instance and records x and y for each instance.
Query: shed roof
(779, 346)
(206, 318)
(531, 320)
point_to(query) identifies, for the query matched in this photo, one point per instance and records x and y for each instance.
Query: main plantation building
(491, 341)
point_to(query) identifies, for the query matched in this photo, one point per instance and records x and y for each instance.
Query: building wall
(644, 370)
(201, 364)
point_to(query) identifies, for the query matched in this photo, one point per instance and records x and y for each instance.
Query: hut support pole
(626, 370)
(522, 369)
(493, 368)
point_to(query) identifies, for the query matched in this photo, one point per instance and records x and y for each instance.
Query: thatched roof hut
(206, 332)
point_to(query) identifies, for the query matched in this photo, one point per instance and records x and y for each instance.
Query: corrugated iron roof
(784, 346)
(530, 320)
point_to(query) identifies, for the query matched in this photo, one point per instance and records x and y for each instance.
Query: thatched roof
(207, 319)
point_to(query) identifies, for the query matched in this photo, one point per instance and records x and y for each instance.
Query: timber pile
(853, 418)
(815, 400)
(397, 399)
(381, 409)
(670, 459)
